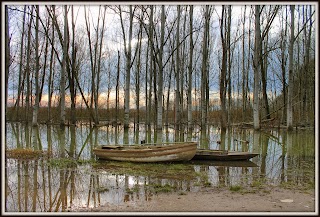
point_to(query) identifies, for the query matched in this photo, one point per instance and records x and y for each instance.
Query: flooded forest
(230, 77)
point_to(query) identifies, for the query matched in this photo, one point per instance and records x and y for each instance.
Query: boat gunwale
(145, 147)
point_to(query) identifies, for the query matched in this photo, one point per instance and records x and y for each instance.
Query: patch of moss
(257, 184)
(204, 179)
(235, 188)
(62, 163)
(163, 188)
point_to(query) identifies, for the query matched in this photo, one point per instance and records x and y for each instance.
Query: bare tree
(257, 69)
(138, 71)
(37, 91)
(160, 74)
(127, 49)
(177, 75)
(190, 69)
(204, 68)
(63, 70)
(223, 75)
(290, 78)
(95, 59)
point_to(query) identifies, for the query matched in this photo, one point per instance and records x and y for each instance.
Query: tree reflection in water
(37, 185)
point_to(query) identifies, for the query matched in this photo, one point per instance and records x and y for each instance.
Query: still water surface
(72, 178)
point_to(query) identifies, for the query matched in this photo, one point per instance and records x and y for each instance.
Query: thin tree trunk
(138, 77)
(160, 76)
(189, 99)
(283, 68)
(93, 65)
(223, 75)
(37, 94)
(264, 72)
(150, 44)
(290, 84)
(257, 68)
(178, 67)
(117, 88)
(28, 67)
(244, 78)
(204, 71)
(73, 72)
(306, 70)
(63, 71)
(168, 93)
(228, 34)
(50, 92)
(128, 67)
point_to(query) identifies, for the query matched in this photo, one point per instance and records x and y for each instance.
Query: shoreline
(214, 201)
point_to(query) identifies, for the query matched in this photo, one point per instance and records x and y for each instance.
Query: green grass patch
(62, 163)
(158, 188)
(235, 188)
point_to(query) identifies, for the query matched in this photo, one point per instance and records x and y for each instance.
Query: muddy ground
(217, 200)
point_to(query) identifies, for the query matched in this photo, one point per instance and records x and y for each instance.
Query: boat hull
(145, 153)
(219, 155)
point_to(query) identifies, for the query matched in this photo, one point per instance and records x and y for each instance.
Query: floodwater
(70, 178)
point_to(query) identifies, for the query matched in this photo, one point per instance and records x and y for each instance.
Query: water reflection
(39, 185)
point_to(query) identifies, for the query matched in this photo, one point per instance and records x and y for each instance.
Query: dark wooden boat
(149, 152)
(222, 155)
(224, 163)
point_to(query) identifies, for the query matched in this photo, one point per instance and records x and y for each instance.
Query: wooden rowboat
(149, 152)
(222, 155)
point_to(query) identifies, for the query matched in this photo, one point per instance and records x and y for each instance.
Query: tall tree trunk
(138, 71)
(117, 88)
(178, 67)
(128, 66)
(37, 94)
(63, 71)
(150, 45)
(94, 68)
(257, 69)
(244, 78)
(228, 35)
(223, 74)
(189, 99)
(204, 71)
(306, 67)
(264, 75)
(50, 83)
(73, 72)
(160, 76)
(290, 85)
(28, 71)
(283, 67)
